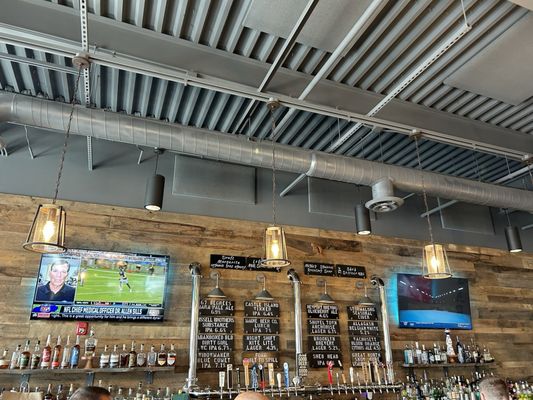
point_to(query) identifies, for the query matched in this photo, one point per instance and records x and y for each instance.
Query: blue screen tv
(100, 285)
(433, 303)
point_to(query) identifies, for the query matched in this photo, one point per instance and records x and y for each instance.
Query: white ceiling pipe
(124, 128)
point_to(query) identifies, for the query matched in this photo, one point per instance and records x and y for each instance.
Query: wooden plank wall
(500, 284)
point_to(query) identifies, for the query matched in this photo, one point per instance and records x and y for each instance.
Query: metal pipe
(296, 287)
(378, 282)
(439, 208)
(147, 132)
(194, 269)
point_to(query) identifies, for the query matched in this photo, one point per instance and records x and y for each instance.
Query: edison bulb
(434, 263)
(274, 248)
(49, 230)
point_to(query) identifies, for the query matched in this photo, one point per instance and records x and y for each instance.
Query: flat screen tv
(100, 285)
(433, 303)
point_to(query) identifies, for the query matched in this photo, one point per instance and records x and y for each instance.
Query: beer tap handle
(254, 377)
(286, 376)
(261, 377)
(271, 379)
(229, 375)
(238, 376)
(352, 379)
(338, 382)
(278, 377)
(344, 383)
(221, 379)
(246, 364)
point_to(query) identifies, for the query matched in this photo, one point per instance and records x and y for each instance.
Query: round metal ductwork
(383, 198)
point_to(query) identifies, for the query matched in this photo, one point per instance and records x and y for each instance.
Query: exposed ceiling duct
(383, 198)
(237, 149)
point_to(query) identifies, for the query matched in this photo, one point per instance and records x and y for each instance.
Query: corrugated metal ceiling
(403, 34)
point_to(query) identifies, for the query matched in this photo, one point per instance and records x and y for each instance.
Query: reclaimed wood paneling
(500, 284)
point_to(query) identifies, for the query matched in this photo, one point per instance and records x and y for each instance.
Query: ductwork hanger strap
(84, 58)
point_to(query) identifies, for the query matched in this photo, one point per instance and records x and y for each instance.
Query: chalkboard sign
(361, 328)
(264, 357)
(214, 360)
(319, 360)
(322, 311)
(324, 343)
(362, 313)
(365, 343)
(261, 325)
(311, 268)
(239, 263)
(323, 327)
(261, 309)
(301, 364)
(217, 307)
(214, 343)
(260, 343)
(359, 358)
(216, 324)
(350, 271)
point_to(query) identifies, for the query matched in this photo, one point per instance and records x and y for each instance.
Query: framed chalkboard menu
(216, 327)
(323, 340)
(261, 330)
(364, 333)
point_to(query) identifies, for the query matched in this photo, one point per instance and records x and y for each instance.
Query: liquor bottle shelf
(447, 365)
(89, 372)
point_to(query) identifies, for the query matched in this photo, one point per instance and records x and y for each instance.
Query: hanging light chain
(272, 106)
(67, 135)
(424, 194)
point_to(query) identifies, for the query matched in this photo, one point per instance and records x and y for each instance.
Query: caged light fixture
(47, 231)
(434, 259)
(275, 244)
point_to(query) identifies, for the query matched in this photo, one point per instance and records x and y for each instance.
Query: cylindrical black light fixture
(155, 187)
(362, 220)
(512, 235)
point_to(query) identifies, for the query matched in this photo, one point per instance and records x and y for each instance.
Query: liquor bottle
(168, 395)
(436, 353)
(70, 391)
(162, 356)
(25, 355)
(141, 357)
(132, 359)
(47, 354)
(114, 358)
(119, 395)
(408, 355)
(65, 359)
(424, 357)
(124, 357)
(418, 354)
(4, 361)
(151, 358)
(36, 356)
(487, 357)
(61, 395)
(90, 344)
(56, 354)
(450, 352)
(475, 353)
(75, 353)
(460, 351)
(15, 358)
(171, 356)
(104, 357)
(49, 395)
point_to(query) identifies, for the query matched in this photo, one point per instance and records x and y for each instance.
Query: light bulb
(274, 249)
(49, 230)
(434, 263)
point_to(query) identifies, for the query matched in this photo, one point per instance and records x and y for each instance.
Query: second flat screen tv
(101, 285)
(433, 303)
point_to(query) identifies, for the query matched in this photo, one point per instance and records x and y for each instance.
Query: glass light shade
(275, 248)
(435, 262)
(47, 232)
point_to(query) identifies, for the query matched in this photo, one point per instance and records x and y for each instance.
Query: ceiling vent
(383, 199)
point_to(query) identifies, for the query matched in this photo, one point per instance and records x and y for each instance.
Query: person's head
(493, 388)
(59, 272)
(251, 396)
(91, 393)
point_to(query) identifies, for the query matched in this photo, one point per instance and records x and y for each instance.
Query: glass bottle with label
(25, 355)
(151, 358)
(75, 353)
(104, 357)
(114, 358)
(141, 357)
(408, 355)
(162, 356)
(451, 357)
(436, 353)
(132, 359)
(35, 358)
(171, 356)
(56, 354)
(90, 344)
(124, 357)
(65, 358)
(460, 351)
(424, 357)
(15, 358)
(47, 354)
(4, 361)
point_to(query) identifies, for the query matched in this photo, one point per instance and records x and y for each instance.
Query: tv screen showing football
(100, 285)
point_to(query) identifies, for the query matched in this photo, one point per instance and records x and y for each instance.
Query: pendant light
(434, 259)
(47, 231)
(362, 220)
(365, 300)
(216, 293)
(325, 298)
(264, 294)
(512, 236)
(155, 187)
(275, 245)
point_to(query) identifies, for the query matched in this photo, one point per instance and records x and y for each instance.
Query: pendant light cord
(156, 160)
(272, 106)
(67, 135)
(424, 194)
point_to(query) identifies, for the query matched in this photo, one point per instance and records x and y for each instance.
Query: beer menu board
(216, 328)
(364, 334)
(261, 329)
(323, 340)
